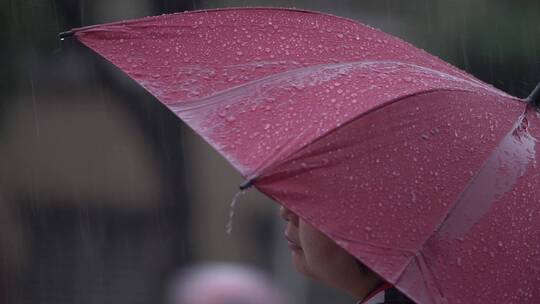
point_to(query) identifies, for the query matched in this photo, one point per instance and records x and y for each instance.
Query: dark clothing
(386, 294)
(394, 296)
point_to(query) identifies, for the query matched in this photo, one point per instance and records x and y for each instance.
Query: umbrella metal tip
(246, 184)
(66, 34)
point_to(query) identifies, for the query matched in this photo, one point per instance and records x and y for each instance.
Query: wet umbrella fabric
(424, 173)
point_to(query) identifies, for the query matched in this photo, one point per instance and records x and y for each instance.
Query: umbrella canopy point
(65, 34)
(534, 97)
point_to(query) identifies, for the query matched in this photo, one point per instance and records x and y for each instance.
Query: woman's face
(317, 256)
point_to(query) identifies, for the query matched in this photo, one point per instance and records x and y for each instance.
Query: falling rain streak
(34, 106)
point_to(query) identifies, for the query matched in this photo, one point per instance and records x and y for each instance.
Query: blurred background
(105, 195)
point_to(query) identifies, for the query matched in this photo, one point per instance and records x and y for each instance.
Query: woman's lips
(292, 244)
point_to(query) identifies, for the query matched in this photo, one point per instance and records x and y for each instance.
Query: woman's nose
(288, 215)
(283, 213)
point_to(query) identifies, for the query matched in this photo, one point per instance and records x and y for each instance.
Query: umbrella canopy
(419, 170)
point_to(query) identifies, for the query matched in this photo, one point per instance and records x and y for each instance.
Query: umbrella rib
(432, 275)
(426, 271)
(228, 93)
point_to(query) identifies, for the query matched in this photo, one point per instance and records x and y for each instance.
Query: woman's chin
(300, 264)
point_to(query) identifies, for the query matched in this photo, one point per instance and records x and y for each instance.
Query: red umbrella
(422, 172)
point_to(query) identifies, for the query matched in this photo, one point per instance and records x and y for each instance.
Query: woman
(318, 257)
